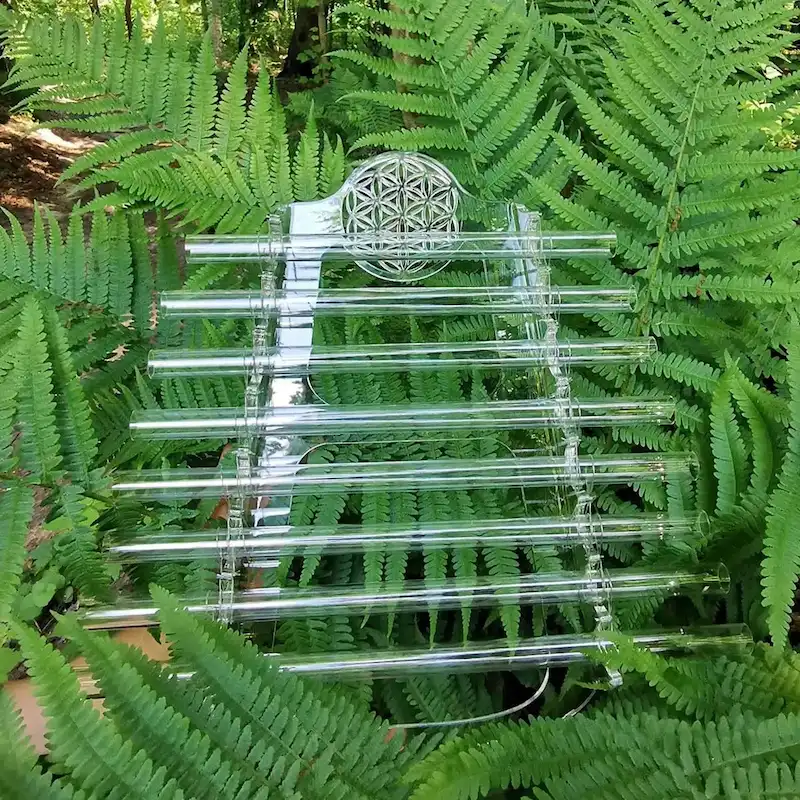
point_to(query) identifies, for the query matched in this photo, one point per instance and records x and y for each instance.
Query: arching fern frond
(463, 91)
(320, 744)
(700, 200)
(218, 160)
(87, 746)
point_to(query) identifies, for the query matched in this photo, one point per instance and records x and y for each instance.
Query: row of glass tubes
(272, 542)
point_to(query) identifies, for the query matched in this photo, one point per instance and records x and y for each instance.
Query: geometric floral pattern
(389, 199)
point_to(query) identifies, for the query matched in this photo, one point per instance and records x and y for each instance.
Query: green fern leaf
(86, 744)
(76, 548)
(324, 747)
(230, 118)
(203, 100)
(730, 457)
(781, 563)
(176, 117)
(201, 770)
(78, 443)
(75, 258)
(21, 266)
(39, 443)
(21, 775)
(16, 510)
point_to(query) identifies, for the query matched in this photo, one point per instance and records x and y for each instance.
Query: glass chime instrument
(478, 435)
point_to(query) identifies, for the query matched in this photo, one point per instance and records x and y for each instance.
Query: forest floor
(31, 161)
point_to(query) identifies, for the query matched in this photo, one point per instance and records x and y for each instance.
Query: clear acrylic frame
(404, 220)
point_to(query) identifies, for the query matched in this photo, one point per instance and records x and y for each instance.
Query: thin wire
(485, 718)
(577, 710)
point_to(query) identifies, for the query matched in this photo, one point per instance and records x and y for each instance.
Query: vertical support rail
(535, 274)
(294, 332)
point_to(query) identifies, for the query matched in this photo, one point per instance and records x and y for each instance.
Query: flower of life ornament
(392, 203)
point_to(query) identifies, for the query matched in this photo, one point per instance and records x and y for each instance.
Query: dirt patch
(31, 162)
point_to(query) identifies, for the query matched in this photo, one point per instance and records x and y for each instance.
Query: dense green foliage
(668, 122)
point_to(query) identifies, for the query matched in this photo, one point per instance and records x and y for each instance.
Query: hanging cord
(449, 723)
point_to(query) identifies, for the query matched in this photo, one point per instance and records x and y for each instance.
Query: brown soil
(31, 162)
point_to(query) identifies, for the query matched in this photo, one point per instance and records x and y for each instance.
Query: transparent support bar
(278, 541)
(535, 589)
(318, 479)
(324, 420)
(294, 362)
(393, 302)
(541, 652)
(430, 245)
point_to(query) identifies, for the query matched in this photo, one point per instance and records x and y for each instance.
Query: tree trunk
(94, 8)
(215, 26)
(322, 27)
(305, 21)
(409, 118)
(128, 18)
(244, 24)
(248, 11)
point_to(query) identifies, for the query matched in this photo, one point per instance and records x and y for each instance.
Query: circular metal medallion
(389, 203)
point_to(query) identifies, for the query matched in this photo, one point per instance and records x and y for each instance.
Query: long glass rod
(393, 302)
(327, 420)
(278, 541)
(332, 478)
(295, 362)
(491, 656)
(533, 589)
(430, 245)
(539, 652)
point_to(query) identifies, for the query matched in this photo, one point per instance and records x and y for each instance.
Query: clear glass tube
(294, 362)
(539, 652)
(390, 301)
(466, 245)
(278, 541)
(326, 420)
(494, 656)
(532, 589)
(318, 479)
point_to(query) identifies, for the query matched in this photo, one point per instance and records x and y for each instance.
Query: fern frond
(40, 450)
(781, 563)
(76, 546)
(461, 89)
(764, 682)
(84, 744)
(16, 510)
(645, 754)
(199, 768)
(307, 166)
(21, 775)
(730, 457)
(324, 748)
(78, 441)
(683, 369)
